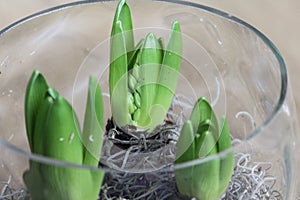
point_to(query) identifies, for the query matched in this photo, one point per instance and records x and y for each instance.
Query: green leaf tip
(202, 137)
(118, 77)
(123, 14)
(150, 63)
(35, 93)
(168, 77)
(53, 131)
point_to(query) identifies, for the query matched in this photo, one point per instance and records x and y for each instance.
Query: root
(8, 192)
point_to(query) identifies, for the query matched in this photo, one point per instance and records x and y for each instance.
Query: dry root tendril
(251, 181)
(8, 192)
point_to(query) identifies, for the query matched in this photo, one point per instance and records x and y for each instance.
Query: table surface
(279, 20)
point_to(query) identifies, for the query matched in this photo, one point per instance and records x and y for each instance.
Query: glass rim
(222, 14)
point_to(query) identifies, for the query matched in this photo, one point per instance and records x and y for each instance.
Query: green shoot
(53, 131)
(142, 80)
(200, 138)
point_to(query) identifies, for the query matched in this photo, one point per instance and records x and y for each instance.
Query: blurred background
(278, 20)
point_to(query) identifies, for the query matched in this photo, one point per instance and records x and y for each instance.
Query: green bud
(168, 75)
(137, 99)
(135, 71)
(131, 82)
(136, 114)
(151, 58)
(131, 108)
(129, 117)
(130, 103)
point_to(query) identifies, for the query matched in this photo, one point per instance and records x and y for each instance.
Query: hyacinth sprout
(142, 77)
(53, 131)
(201, 137)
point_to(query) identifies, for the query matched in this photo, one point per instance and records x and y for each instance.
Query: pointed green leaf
(93, 130)
(57, 130)
(202, 111)
(34, 181)
(203, 147)
(185, 152)
(225, 138)
(172, 57)
(206, 175)
(118, 77)
(57, 136)
(151, 52)
(206, 125)
(150, 61)
(35, 94)
(42, 115)
(132, 82)
(168, 75)
(93, 127)
(227, 162)
(123, 15)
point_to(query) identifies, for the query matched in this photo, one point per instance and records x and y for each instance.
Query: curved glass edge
(46, 160)
(47, 11)
(268, 42)
(59, 163)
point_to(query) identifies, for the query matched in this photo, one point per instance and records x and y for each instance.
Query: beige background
(278, 19)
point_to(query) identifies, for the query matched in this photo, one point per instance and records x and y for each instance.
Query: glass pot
(226, 60)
